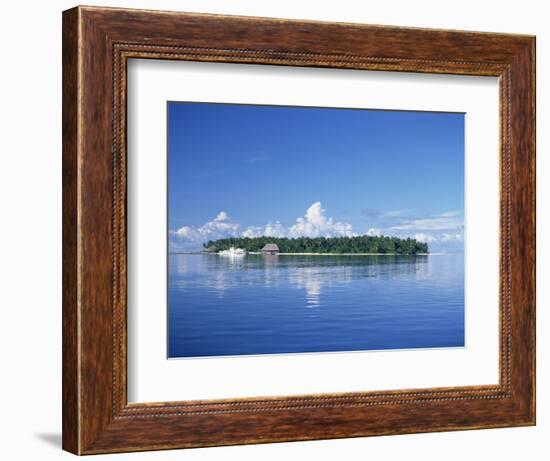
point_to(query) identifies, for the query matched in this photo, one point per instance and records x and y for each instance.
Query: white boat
(232, 252)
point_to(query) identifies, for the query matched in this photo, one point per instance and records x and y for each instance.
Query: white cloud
(423, 237)
(458, 237)
(441, 222)
(269, 230)
(250, 233)
(194, 237)
(315, 224)
(222, 216)
(443, 228)
(274, 230)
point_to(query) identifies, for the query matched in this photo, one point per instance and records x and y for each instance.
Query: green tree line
(360, 244)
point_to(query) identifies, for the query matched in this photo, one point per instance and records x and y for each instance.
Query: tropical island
(363, 244)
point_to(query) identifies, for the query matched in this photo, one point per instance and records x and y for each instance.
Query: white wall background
(30, 229)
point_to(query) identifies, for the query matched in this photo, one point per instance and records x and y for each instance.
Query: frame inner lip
(125, 50)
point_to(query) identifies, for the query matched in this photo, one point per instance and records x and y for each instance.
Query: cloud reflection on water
(315, 275)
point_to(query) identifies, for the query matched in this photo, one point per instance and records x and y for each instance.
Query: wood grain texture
(97, 43)
(70, 384)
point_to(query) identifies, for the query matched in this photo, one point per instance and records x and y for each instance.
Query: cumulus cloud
(250, 233)
(443, 229)
(222, 216)
(191, 236)
(314, 223)
(269, 230)
(373, 232)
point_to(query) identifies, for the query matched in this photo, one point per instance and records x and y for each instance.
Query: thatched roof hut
(270, 249)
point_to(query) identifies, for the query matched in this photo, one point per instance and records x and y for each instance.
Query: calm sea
(289, 304)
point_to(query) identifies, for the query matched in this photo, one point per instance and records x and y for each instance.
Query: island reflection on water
(261, 304)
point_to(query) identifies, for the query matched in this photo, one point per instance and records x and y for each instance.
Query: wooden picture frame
(97, 43)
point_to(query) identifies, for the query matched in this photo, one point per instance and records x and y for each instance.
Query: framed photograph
(282, 230)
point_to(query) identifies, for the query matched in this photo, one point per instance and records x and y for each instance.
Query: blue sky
(291, 171)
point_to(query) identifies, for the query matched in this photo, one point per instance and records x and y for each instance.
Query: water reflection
(313, 279)
(280, 304)
(312, 274)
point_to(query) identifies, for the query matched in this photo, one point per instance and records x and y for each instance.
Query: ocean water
(220, 306)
